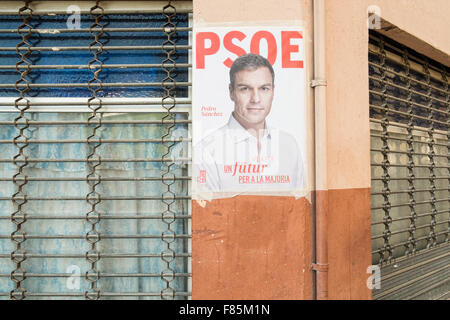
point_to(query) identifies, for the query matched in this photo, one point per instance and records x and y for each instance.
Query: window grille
(409, 117)
(95, 151)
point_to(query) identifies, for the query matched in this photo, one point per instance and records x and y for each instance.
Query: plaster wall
(420, 24)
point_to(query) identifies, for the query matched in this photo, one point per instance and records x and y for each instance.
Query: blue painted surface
(83, 57)
(80, 151)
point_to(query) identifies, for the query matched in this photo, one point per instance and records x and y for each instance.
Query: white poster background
(210, 90)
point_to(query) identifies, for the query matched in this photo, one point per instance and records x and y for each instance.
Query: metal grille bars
(94, 160)
(409, 114)
(169, 83)
(19, 198)
(58, 7)
(126, 229)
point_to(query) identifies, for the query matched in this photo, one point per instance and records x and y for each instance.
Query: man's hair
(249, 61)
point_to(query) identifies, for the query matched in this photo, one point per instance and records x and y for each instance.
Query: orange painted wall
(252, 247)
(349, 243)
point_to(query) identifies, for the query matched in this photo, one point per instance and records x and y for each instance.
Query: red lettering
(230, 46)
(271, 45)
(287, 48)
(201, 51)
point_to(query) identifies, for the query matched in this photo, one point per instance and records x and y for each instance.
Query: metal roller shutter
(410, 200)
(95, 150)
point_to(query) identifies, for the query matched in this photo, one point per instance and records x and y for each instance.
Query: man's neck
(256, 130)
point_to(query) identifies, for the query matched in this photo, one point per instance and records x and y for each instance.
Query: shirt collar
(239, 133)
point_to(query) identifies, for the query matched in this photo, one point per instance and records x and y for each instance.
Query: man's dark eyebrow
(246, 85)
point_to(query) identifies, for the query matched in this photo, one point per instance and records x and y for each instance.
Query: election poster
(249, 112)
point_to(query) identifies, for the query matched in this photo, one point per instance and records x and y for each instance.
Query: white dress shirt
(228, 160)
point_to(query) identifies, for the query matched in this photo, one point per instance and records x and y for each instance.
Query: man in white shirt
(247, 155)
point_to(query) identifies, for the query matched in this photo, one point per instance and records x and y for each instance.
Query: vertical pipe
(319, 85)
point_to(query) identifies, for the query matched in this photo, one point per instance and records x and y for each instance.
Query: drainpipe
(319, 84)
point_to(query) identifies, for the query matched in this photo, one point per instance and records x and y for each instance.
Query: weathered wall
(348, 122)
(254, 247)
(250, 226)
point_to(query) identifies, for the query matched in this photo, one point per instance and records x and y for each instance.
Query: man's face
(252, 94)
